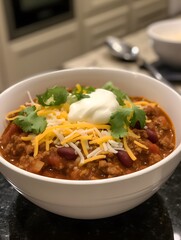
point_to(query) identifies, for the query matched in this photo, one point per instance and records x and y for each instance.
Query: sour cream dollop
(96, 109)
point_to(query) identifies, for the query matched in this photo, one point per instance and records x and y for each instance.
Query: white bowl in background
(166, 41)
(90, 199)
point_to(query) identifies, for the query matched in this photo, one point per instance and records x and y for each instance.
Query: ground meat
(157, 140)
(165, 143)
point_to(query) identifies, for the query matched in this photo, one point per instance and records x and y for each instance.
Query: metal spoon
(130, 53)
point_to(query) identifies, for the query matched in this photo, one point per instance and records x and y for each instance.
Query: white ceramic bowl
(93, 198)
(166, 41)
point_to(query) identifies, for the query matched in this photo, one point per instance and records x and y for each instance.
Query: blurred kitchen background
(39, 36)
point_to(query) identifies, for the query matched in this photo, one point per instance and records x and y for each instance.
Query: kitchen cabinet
(95, 29)
(47, 49)
(38, 52)
(112, 17)
(2, 84)
(93, 7)
(145, 12)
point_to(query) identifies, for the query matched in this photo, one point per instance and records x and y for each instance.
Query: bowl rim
(151, 33)
(146, 170)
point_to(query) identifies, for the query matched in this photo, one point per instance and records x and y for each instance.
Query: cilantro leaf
(124, 118)
(119, 122)
(121, 96)
(80, 96)
(82, 92)
(53, 96)
(139, 115)
(29, 121)
(88, 89)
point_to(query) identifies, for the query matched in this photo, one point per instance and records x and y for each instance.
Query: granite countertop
(159, 218)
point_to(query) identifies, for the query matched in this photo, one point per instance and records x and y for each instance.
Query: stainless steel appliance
(27, 16)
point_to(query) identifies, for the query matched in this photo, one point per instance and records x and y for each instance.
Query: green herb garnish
(124, 118)
(29, 121)
(121, 96)
(81, 92)
(119, 122)
(139, 115)
(53, 96)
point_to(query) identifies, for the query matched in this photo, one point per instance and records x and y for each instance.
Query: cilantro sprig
(53, 96)
(139, 115)
(120, 95)
(29, 121)
(82, 92)
(119, 122)
(124, 118)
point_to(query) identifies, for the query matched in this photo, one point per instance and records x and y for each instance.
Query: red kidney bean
(137, 125)
(124, 158)
(67, 152)
(152, 136)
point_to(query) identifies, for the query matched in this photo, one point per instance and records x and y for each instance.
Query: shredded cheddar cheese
(90, 141)
(98, 157)
(80, 136)
(11, 115)
(84, 144)
(101, 140)
(140, 144)
(128, 150)
(132, 134)
(145, 103)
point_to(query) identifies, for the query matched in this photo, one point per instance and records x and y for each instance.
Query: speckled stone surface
(159, 218)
